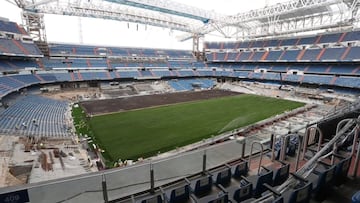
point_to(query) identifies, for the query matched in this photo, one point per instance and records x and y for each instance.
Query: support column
(204, 163)
(35, 25)
(104, 188)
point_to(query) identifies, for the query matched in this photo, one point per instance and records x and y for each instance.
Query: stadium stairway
(39, 78)
(321, 53)
(333, 80)
(26, 52)
(301, 54)
(4, 49)
(108, 75)
(72, 76)
(342, 37)
(345, 53)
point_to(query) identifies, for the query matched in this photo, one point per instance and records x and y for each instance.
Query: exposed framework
(35, 25)
(280, 19)
(286, 18)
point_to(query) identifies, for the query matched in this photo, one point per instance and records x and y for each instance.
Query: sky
(66, 29)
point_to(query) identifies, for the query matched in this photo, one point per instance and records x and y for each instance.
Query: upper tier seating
(12, 47)
(86, 50)
(314, 54)
(11, 65)
(291, 49)
(12, 27)
(319, 39)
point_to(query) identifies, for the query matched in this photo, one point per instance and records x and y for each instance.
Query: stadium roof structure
(280, 19)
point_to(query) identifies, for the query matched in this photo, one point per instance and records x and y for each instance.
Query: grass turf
(145, 132)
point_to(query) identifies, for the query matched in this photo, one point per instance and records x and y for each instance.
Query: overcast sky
(107, 32)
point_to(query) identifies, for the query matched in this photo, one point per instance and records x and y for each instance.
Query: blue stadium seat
(202, 186)
(241, 192)
(330, 38)
(265, 176)
(290, 55)
(222, 177)
(322, 178)
(310, 55)
(273, 55)
(178, 194)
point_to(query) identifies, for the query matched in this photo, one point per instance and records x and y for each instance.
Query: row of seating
(234, 183)
(11, 27)
(86, 50)
(11, 65)
(102, 63)
(191, 84)
(48, 64)
(12, 47)
(296, 41)
(35, 116)
(11, 83)
(294, 55)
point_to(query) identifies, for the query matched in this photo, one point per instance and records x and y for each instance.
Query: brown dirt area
(137, 102)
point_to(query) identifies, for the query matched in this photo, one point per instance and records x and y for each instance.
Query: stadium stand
(191, 84)
(35, 116)
(328, 60)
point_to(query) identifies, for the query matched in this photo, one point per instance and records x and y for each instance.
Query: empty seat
(240, 169)
(322, 178)
(202, 186)
(241, 192)
(301, 193)
(281, 173)
(265, 176)
(222, 177)
(152, 199)
(178, 194)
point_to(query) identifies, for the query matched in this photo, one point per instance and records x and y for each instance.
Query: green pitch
(145, 132)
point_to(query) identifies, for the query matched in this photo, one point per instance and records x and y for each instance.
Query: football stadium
(229, 103)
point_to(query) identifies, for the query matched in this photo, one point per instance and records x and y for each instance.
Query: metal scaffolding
(282, 19)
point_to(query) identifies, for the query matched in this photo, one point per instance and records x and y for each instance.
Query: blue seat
(214, 198)
(154, 199)
(223, 177)
(301, 193)
(202, 186)
(342, 165)
(179, 194)
(243, 192)
(241, 169)
(322, 178)
(222, 198)
(281, 174)
(258, 181)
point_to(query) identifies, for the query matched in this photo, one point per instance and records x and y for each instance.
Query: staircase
(333, 80)
(108, 75)
(345, 53)
(26, 52)
(318, 39)
(39, 78)
(238, 56)
(226, 56)
(79, 76)
(342, 37)
(72, 76)
(301, 54)
(251, 55)
(40, 64)
(320, 54)
(43, 47)
(263, 58)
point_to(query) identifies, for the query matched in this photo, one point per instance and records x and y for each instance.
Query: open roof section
(274, 20)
